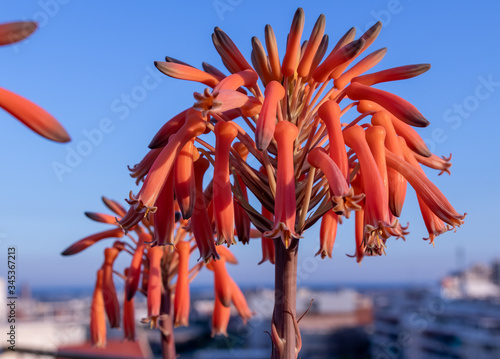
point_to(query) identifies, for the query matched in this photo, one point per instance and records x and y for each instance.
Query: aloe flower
(280, 135)
(30, 114)
(158, 271)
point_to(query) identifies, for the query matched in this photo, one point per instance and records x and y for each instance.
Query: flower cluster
(30, 114)
(159, 272)
(311, 165)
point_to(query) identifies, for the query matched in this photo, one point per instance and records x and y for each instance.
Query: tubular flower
(329, 112)
(434, 225)
(239, 301)
(108, 287)
(97, 314)
(200, 221)
(164, 217)
(429, 193)
(181, 301)
(184, 183)
(143, 204)
(284, 212)
(266, 123)
(267, 244)
(327, 234)
(155, 255)
(220, 318)
(376, 211)
(225, 133)
(90, 240)
(396, 182)
(242, 221)
(343, 196)
(128, 316)
(30, 114)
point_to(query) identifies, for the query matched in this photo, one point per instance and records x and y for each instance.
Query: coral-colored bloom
(343, 196)
(377, 219)
(134, 271)
(97, 314)
(222, 282)
(220, 318)
(181, 301)
(284, 212)
(184, 182)
(241, 219)
(164, 216)
(239, 301)
(429, 193)
(90, 240)
(33, 116)
(396, 182)
(128, 316)
(399, 107)
(143, 203)
(30, 114)
(327, 233)
(329, 112)
(108, 287)
(155, 284)
(394, 74)
(200, 221)
(225, 133)
(267, 244)
(266, 123)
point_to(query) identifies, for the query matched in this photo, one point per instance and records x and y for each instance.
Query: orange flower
(400, 108)
(220, 318)
(184, 183)
(143, 204)
(394, 74)
(429, 193)
(343, 196)
(128, 316)
(434, 225)
(200, 222)
(222, 282)
(267, 244)
(33, 116)
(30, 114)
(396, 182)
(225, 133)
(164, 217)
(266, 123)
(185, 72)
(376, 211)
(329, 112)
(241, 219)
(155, 285)
(108, 287)
(134, 272)
(239, 301)
(97, 314)
(284, 212)
(86, 242)
(291, 59)
(327, 233)
(181, 301)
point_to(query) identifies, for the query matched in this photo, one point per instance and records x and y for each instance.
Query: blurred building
(417, 324)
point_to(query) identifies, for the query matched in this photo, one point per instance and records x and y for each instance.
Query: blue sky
(90, 64)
